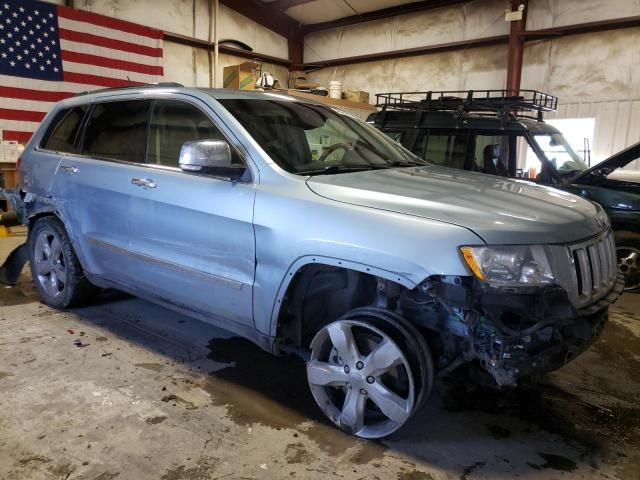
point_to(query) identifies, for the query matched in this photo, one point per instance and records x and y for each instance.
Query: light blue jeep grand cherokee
(304, 230)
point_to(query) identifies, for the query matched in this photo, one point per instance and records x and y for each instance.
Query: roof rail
(144, 85)
(503, 102)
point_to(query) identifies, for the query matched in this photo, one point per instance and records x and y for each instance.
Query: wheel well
(33, 219)
(319, 294)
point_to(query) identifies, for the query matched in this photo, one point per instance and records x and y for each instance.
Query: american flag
(49, 52)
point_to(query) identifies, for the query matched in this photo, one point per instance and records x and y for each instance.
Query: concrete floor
(128, 390)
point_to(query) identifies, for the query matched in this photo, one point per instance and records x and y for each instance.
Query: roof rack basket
(502, 102)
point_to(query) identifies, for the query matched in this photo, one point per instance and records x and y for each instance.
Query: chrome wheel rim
(360, 379)
(49, 264)
(629, 265)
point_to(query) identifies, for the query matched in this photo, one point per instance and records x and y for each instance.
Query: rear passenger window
(63, 131)
(172, 124)
(118, 131)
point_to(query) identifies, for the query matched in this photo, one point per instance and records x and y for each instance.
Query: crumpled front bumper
(568, 340)
(607, 300)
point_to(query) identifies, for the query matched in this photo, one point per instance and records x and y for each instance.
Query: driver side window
(173, 123)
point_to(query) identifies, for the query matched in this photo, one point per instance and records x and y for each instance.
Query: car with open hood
(307, 231)
(618, 191)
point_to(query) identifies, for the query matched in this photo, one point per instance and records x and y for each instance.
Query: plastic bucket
(335, 89)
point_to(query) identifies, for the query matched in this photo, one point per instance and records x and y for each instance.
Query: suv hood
(499, 210)
(618, 160)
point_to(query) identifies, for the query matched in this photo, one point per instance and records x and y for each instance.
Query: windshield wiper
(330, 170)
(333, 169)
(410, 163)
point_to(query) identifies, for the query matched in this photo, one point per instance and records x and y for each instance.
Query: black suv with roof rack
(502, 133)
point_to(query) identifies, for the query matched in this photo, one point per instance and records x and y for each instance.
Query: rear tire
(628, 256)
(55, 268)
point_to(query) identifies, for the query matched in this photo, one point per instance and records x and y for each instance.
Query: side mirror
(209, 157)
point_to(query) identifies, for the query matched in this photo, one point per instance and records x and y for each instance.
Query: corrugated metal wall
(617, 124)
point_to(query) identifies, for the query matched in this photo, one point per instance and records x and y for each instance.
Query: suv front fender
(396, 277)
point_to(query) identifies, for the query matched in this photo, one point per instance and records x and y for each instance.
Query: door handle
(69, 169)
(144, 182)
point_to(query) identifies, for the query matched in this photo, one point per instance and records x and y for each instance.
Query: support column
(516, 47)
(296, 48)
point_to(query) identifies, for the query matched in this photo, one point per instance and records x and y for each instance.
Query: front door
(191, 236)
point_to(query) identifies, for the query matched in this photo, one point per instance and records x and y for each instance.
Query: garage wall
(477, 19)
(595, 75)
(187, 65)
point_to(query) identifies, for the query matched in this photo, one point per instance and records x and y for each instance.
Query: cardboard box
(240, 77)
(11, 150)
(359, 96)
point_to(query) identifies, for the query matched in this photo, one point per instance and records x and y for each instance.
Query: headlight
(514, 265)
(601, 219)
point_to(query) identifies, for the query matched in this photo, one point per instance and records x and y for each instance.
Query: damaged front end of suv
(524, 312)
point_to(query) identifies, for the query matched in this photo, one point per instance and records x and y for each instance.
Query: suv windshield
(310, 139)
(560, 153)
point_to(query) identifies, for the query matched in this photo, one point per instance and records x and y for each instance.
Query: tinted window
(61, 136)
(118, 130)
(446, 149)
(172, 124)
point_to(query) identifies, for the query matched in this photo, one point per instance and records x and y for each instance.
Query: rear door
(95, 187)
(192, 241)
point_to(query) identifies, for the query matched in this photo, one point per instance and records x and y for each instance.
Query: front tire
(55, 268)
(628, 255)
(368, 373)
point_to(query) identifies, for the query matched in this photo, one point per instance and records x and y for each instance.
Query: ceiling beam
(282, 5)
(529, 36)
(411, 52)
(381, 14)
(204, 44)
(263, 14)
(590, 27)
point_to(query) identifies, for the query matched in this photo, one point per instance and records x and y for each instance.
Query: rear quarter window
(63, 130)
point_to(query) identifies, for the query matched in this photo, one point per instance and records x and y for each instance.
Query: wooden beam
(264, 15)
(204, 44)
(380, 14)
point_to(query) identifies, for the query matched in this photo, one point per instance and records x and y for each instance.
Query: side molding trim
(199, 274)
